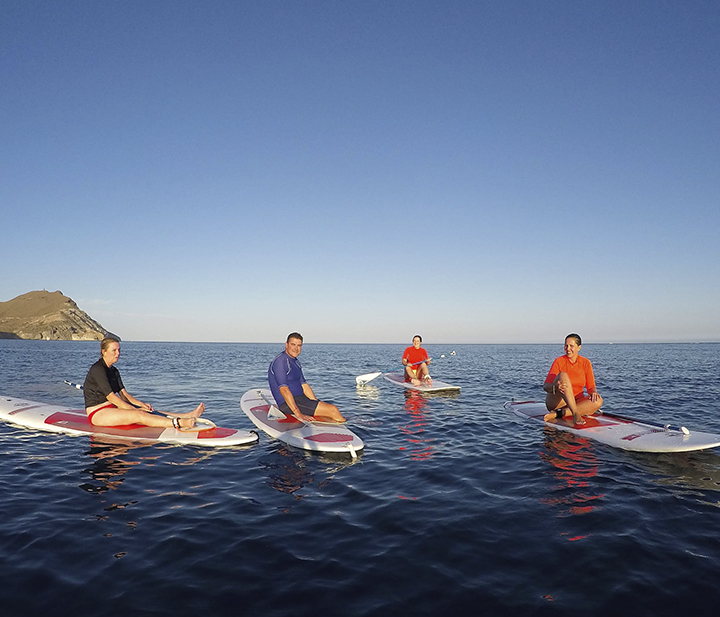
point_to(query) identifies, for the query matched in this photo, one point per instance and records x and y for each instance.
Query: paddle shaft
(160, 413)
(669, 427)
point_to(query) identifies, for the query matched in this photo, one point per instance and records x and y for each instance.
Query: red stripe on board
(65, 416)
(329, 438)
(79, 421)
(12, 413)
(590, 421)
(286, 420)
(216, 432)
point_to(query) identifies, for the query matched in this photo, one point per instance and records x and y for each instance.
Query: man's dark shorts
(305, 405)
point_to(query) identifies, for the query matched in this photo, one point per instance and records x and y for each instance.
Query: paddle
(361, 380)
(274, 412)
(209, 423)
(667, 427)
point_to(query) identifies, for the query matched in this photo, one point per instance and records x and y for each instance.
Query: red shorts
(94, 411)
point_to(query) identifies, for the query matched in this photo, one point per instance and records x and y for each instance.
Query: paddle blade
(361, 380)
(275, 414)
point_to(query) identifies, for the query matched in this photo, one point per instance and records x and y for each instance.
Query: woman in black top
(108, 403)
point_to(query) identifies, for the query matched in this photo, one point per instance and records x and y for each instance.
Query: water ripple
(454, 506)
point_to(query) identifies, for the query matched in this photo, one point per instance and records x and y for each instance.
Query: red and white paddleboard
(259, 405)
(622, 432)
(58, 419)
(437, 386)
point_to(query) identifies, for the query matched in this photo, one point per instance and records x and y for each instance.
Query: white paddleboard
(317, 436)
(437, 385)
(624, 433)
(58, 419)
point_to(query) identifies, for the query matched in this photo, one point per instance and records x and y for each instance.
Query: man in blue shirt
(292, 393)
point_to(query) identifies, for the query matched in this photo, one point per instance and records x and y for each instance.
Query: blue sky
(477, 172)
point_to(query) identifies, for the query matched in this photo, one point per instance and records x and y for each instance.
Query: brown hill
(47, 315)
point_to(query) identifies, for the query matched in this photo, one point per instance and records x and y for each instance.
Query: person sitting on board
(292, 393)
(569, 377)
(108, 403)
(415, 360)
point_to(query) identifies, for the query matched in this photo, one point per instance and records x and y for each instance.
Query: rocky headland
(48, 316)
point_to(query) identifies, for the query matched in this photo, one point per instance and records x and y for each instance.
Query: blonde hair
(107, 341)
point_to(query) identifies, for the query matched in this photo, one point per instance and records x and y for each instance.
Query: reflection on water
(111, 460)
(693, 470)
(108, 468)
(459, 506)
(368, 393)
(574, 466)
(288, 469)
(421, 445)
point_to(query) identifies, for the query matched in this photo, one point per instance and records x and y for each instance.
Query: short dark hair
(296, 335)
(417, 336)
(577, 338)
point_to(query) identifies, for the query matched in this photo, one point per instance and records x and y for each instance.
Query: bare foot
(555, 414)
(197, 412)
(415, 382)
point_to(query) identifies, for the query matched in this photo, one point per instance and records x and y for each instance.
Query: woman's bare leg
(112, 416)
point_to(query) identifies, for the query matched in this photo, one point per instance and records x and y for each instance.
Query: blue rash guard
(285, 371)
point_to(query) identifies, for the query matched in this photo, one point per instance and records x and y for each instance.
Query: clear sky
(360, 171)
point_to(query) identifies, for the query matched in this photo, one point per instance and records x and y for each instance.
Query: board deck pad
(318, 437)
(619, 432)
(437, 386)
(58, 419)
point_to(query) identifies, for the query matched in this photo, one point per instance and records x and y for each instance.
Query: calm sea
(454, 508)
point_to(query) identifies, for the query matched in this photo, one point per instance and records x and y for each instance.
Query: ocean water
(454, 507)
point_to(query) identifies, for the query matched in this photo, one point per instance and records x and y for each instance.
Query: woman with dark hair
(108, 403)
(570, 384)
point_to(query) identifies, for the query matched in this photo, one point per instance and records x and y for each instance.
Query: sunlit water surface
(454, 508)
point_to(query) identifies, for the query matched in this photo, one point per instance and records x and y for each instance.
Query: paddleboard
(59, 419)
(437, 385)
(259, 405)
(622, 432)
